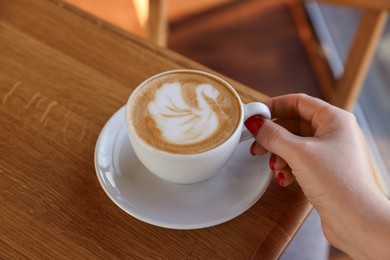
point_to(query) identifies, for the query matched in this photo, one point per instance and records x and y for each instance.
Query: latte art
(180, 123)
(183, 112)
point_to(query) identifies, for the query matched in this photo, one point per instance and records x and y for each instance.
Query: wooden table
(62, 75)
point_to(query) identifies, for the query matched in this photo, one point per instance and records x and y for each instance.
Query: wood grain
(63, 74)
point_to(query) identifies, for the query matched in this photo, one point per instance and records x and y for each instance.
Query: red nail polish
(252, 149)
(253, 124)
(280, 178)
(272, 160)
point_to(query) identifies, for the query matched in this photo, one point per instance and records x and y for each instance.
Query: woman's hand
(323, 148)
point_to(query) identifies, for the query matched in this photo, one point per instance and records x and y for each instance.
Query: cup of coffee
(184, 125)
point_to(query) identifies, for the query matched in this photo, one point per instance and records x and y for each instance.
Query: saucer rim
(166, 224)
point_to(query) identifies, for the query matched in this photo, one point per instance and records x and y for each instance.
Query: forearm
(370, 239)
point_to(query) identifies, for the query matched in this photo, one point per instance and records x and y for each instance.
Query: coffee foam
(184, 112)
(179, 123)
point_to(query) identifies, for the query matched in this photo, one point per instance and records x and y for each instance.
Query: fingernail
(253, 124)
(252, 149)
(280, 178)
(272, 160)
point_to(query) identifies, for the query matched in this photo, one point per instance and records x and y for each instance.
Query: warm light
(141, 8)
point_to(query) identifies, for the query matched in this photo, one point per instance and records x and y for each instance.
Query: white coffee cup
(197, 167)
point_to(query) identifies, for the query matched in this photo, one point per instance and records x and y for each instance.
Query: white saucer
(146, 197)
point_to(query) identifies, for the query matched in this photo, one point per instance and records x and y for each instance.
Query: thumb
(273, 137)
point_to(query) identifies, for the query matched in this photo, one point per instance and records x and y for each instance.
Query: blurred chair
(346, 88)
(152, 15)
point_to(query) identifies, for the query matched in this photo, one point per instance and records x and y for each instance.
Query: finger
(284, 177)
(281, 170)
(295, 105)
(277, 163)
(298, 105)
(277, 139)
(295, 126)
(257, 149)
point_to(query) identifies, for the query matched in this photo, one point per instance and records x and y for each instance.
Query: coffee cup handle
(251, 109)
